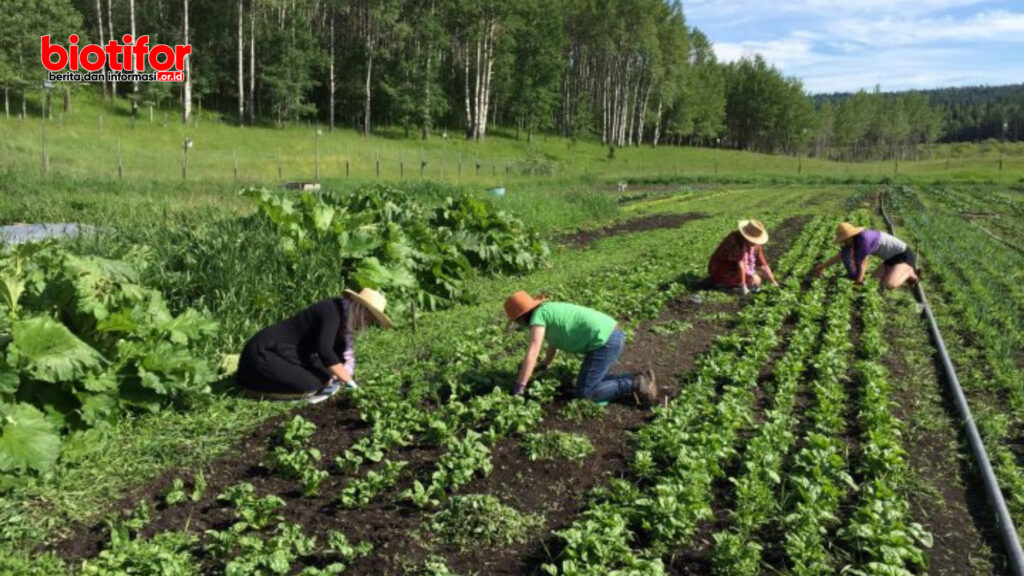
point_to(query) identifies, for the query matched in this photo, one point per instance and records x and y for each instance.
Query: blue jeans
(594, 382)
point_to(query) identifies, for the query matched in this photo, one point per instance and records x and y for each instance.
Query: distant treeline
(626, 72)
(970, 113)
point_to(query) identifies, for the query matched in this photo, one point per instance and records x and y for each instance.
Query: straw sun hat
(374, 302)
(845, 231)
(753, 231)
(520, 303)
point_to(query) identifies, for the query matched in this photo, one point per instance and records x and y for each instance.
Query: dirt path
(653, 222)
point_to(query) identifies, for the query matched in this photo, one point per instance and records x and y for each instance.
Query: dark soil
(557, 489)
(954, 512)
(653, 222)
(554, 489)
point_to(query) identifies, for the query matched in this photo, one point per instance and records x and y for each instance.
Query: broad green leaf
(48, 351)
(28, 440)
(11, 289)
(99, 408)
(9, 380)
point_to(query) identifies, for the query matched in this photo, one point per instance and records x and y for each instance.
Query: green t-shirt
(573, 328)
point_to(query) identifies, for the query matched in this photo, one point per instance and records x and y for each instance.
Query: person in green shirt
(577, 330)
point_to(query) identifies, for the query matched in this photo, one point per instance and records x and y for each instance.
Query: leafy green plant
(481, 520)
(166, 553)
(293, 459)
(579, 410)
(672, 327)
(359, 492)
(464, 458)
(254, 512)
(275, 555)
(84, 340)
(177, 493)
(388, 240)
(435, 566)
(557, 444)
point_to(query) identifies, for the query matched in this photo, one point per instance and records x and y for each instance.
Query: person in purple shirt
(899, 263)
(312, 354)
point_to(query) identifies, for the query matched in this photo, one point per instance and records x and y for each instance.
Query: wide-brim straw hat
(845, 231)
(520, 303)
(373, 301)
(753, 231)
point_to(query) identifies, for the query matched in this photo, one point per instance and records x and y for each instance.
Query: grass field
(78, 146)
(791, 418)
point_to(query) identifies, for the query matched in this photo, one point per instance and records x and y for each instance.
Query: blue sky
(898, 44)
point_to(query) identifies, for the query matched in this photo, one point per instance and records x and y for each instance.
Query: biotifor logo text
(123, 62)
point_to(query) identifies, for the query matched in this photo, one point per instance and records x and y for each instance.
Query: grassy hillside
(96, 137)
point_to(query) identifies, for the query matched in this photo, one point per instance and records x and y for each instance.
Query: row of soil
(951, 504)
(585, 238)
(558, 488)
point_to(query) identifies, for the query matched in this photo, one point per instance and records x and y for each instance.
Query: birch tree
(186, 99)
(241, 65)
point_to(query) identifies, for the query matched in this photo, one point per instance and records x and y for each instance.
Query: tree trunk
(366, 105)
(657, 125)
(103, 71)
(186, 109)
(7, 103)
(631, 111)
(604, 111)
(241, 65)
(469, 107)
(135, 83)
(252, 62)
(67, 100)
(485, 95)
(476, 89)
(331, 83)
(110, 26)
(643, 116)
(427, 108)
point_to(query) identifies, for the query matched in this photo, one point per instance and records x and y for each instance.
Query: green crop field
(803, 430)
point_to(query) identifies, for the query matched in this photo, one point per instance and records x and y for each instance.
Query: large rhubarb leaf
(28, 441)
(48, 351)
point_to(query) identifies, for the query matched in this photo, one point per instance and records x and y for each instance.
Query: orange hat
(520, 303)
(845, 231)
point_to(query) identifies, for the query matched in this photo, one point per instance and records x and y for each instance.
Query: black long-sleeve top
(319, 331)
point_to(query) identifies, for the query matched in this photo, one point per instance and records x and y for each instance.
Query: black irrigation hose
(1004, 523)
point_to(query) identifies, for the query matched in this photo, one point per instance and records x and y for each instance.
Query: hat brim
(537, 302)
(378, 315)
(759, 240)
(854, 232)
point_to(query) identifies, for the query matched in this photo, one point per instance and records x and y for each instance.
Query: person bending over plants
(312, 354)
(734, 263)
(577, 330)
(899, 264)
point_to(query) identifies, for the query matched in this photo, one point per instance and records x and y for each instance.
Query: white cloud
(786, 53)
(849, 46)
(710, 9)
(1001, 26)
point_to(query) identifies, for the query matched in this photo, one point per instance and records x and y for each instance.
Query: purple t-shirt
(869, 242)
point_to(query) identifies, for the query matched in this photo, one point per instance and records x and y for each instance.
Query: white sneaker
(325, 393)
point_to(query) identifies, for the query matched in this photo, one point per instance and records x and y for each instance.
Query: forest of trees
(625, 72)
(966, 114)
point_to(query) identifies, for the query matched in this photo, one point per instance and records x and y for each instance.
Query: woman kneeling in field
(312, 354)
(578, 330)
(858, 243)
(735, 261)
